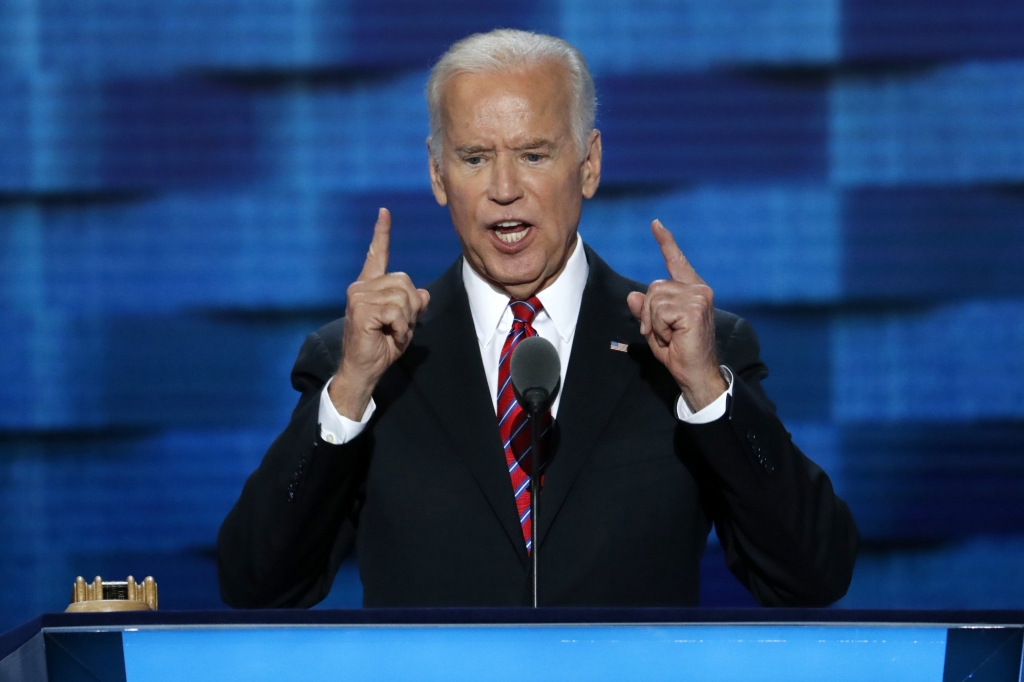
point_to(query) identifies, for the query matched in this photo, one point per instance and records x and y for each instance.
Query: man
(407, 445)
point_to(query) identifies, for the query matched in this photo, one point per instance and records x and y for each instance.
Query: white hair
(511, 50)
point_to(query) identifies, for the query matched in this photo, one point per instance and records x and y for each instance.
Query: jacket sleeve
(787, 536)
(282, 542)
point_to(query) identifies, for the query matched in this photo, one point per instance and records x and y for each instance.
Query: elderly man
(408, 444)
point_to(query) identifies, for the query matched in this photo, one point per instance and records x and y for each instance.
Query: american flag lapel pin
(620, 346)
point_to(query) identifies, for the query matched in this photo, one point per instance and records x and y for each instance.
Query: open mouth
(511, 231)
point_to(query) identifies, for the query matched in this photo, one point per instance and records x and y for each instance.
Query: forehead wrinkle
(503, 113)
(511, 119)
(492, 123)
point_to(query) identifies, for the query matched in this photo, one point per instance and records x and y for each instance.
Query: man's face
(511, 174)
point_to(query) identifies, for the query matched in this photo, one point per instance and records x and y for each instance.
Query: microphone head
(536, 373)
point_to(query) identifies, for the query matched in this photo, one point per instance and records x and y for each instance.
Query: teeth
(509, 223)
(512, 237)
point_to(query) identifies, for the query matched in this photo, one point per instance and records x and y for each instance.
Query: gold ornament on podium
(113, 595)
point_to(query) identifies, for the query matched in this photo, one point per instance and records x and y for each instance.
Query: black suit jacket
(630, 492)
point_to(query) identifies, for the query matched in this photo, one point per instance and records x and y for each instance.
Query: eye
(474, 160)
(533, 157)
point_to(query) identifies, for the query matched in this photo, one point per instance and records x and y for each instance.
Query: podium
(482, 645)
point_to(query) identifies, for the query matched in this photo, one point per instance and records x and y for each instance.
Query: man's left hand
(677, 316)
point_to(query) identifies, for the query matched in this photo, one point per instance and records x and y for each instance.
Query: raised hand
(678, 318)
(379, 320)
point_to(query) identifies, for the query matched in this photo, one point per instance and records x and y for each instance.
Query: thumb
(635, 301)
(424, 298)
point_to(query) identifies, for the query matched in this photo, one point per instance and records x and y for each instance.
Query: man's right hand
(379, 320)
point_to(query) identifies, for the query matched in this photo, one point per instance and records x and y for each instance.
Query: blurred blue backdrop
(188, 186)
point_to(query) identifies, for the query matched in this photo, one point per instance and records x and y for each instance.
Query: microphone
(536, 374)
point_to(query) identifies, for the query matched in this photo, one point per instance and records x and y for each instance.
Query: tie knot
(524, 310)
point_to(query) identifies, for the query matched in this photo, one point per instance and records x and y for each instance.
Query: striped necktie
(512, 419)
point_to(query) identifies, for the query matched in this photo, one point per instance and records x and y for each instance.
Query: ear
(436, 180)
(592, 164)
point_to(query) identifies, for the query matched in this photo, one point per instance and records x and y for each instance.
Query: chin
(515, 277)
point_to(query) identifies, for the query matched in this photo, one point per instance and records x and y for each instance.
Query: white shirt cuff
(336, 429)
(710, 412)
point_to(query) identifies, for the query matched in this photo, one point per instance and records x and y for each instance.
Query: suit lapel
(446, 368)
(595, 381)
(445, 365)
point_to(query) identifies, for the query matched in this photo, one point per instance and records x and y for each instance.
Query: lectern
(596, 645)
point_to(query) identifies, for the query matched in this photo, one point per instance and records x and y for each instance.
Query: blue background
(188, 186)
(567, 653)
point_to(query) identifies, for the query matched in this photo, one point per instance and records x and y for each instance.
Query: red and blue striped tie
(512, 419)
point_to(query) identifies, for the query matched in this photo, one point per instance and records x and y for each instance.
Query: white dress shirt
(492, 319)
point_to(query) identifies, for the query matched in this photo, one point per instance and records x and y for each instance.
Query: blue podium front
(517, 645)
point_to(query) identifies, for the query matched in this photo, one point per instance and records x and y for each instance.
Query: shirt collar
(561, 299)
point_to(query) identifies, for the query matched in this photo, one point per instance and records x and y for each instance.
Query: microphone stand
(535, 379)
(536, 412)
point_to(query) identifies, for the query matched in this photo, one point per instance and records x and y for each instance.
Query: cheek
(565, 202)
(464, 219)
(464, 199)
(560, 192)
(459, 208)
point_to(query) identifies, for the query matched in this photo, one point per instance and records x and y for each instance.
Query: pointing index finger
(678, 267)
(376, 264)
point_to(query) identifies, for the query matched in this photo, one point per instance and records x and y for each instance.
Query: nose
(505, 185)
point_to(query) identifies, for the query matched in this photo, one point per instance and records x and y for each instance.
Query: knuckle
(395, 296)
(407, 301)
(402, 278)
(401, 312)
(355, 305)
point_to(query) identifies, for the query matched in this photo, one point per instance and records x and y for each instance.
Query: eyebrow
(534, 144)
(473, 149)
(539, 143)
